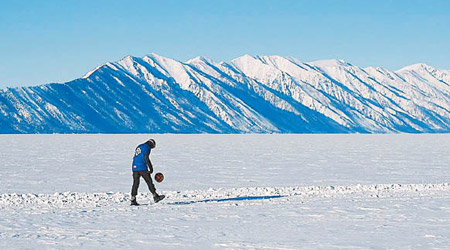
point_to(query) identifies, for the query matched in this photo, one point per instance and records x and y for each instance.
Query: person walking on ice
(142, 167)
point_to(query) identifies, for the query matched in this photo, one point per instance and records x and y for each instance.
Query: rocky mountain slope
(267, 94)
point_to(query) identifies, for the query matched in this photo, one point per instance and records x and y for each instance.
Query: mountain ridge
(249, 94)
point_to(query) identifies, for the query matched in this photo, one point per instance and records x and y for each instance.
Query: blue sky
(57, 41)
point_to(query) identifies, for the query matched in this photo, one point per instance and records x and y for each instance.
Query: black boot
(157, 197)
(134, 202)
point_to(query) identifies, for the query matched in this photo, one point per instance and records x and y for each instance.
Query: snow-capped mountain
(249, 94)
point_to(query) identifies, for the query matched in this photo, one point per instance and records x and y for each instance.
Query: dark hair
(151, 143)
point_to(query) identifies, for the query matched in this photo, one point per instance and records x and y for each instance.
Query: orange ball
(159, 177)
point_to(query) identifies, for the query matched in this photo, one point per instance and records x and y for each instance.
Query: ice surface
(101, 163)
(227, 192)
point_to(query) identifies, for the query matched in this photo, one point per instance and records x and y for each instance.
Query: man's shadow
(244, 198)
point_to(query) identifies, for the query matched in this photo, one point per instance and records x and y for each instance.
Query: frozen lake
(99, 163)
(198, 167)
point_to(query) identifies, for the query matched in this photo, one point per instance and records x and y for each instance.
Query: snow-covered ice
(227, 192)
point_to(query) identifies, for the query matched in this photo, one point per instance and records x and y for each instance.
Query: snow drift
(75, 199)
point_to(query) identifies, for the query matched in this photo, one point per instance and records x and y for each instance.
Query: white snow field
(227, 192)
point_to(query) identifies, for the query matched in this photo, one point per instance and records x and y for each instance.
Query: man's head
(151, 143)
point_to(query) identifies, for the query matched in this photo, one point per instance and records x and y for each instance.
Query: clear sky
(56, 41)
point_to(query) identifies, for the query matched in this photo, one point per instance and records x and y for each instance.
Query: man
(142, 167)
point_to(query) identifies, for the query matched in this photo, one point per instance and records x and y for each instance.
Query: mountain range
(249, 94)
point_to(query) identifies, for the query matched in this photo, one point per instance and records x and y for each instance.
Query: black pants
(148, 179)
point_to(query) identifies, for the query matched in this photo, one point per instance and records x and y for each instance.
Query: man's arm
(148, 162)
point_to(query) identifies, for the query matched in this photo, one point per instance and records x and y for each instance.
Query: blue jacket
(141, 161)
